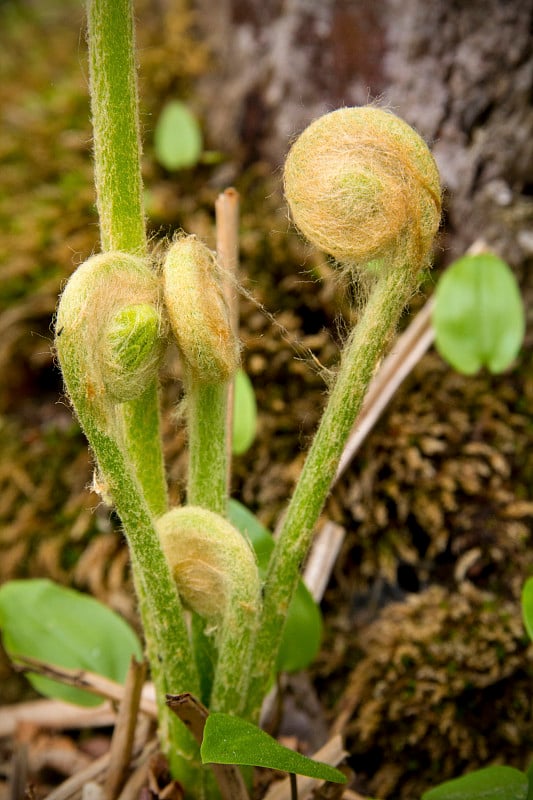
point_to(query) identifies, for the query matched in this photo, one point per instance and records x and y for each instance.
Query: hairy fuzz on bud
(198, 312)
(363, 187)
(212, 563)
(109, 329)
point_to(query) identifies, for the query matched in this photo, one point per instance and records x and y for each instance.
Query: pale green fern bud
(131, 354)
(216, 573)
(213, 565)
(198, 312)
(109, 330)
(363, 186)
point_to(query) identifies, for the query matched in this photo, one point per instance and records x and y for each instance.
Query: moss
(461, 702)
(441, 484)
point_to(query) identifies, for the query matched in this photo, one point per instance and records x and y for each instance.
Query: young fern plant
(362, 186)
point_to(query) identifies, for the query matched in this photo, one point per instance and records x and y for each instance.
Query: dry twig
(83, 679)
(227, 231)
(124, 733)
(331, 753)
(194, 715)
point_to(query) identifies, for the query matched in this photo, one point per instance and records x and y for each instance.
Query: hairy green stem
(142, 431)
(134, 469)
(206, 424)
(207, 488)
(361, 353)
(167, 642)
(114, 106)
(232, 673)
(117, 167)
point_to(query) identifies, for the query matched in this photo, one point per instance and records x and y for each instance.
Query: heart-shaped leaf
(231, 740)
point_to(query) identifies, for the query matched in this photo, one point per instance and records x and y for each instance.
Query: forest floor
(425, 668)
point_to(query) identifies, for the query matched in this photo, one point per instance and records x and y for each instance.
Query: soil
(425, 667)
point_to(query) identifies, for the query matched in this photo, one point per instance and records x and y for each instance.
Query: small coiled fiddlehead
(216, 573)
(363, 186)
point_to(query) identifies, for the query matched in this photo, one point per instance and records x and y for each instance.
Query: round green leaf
(303, 629)
(478, 315)
(527, 606)
(231, 740)
(491, 783)
(178, 138)
(244, 413)
(62, 627)
(302, 633)
(259, 536)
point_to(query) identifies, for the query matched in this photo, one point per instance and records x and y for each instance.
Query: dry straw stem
(357, 180)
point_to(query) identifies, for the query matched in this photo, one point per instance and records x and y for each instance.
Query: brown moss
(443, 476)
(440, 687)
(437, 504)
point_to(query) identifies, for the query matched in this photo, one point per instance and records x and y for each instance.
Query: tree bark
(460, 73)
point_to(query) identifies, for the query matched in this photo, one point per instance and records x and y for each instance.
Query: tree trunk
(460, 73)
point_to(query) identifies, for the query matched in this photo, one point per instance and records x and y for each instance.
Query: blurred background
(424, 647)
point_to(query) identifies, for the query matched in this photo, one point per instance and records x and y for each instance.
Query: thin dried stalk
(406, 353)
(124, 733)
(331, 753)
(227, 230)
(326, 547)
(194, 714)
(83, 679)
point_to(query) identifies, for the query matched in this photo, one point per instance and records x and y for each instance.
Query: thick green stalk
(114, 106)
(167, 640)
(207, 488)
(143, 435)
(363, 186)
(117, 167)
(232, 673)
(200, 321)
(359, 358)
(199, 318)
(132, 464)
(206, 426)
